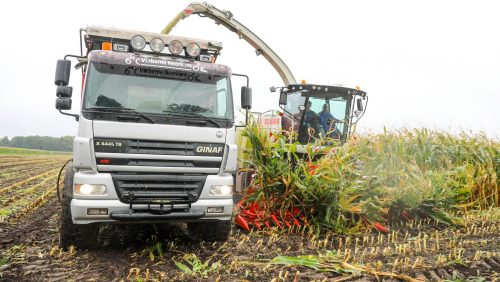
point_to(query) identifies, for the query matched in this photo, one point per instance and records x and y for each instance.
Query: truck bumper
(118, 211)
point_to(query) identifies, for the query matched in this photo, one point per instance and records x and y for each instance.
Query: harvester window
(331, 115)
(294, 101)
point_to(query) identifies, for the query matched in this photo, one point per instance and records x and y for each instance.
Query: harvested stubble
(21, 195)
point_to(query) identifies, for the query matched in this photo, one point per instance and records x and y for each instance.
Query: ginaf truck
(156, 135)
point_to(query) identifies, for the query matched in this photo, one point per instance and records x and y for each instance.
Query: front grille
(153, 147)
(148, 157)
(160, 148)
(145, 188)
(159, 163)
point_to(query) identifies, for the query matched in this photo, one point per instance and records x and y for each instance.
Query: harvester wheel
(209, 231)
(82, 236)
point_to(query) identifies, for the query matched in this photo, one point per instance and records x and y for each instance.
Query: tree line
(48, 143)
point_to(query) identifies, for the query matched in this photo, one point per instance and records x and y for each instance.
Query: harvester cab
(315, 111)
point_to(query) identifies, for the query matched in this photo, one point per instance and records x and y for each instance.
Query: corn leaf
(307, 261)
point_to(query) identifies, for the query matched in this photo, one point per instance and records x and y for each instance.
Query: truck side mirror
(63, 70)
(63, 104)
(283, 98)
(64, 91)
(359, 104)
(246, 97)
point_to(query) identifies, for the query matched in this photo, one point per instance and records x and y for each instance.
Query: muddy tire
(82, 236)
(209, 231)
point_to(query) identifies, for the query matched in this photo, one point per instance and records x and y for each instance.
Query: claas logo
(268, 121)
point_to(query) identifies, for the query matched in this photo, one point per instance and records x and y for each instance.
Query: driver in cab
(310, 116)
(311, 121)
(328, 123)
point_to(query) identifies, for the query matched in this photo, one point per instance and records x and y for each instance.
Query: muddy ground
(133, 254)
(420, 250)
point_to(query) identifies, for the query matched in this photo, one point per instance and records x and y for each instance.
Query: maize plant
(368, 182)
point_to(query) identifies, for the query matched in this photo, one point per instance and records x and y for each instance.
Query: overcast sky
(423, 63)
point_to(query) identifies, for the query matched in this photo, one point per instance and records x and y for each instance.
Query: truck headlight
(90, 189)
(221, 190)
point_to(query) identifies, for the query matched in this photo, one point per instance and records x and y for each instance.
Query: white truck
(156, 135)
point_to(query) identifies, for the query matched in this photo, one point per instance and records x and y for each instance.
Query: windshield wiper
(120, 110)
(192, 114)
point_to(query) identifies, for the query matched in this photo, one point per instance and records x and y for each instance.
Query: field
(9, 151)
(414, 250)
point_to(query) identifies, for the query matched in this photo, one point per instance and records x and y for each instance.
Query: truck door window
(222, 97)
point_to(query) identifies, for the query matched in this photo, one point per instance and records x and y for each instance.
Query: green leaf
(307, 261)
(183, 267)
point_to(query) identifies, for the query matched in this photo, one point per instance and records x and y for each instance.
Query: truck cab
(156, 135)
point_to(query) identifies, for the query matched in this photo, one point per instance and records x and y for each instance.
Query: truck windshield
(155, 91)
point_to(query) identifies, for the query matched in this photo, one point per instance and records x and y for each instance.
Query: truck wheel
(209, 231)
(82, 236)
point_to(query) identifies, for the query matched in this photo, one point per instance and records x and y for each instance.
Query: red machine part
(253, 215)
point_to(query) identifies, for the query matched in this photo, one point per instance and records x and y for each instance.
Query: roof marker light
(107, 46)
